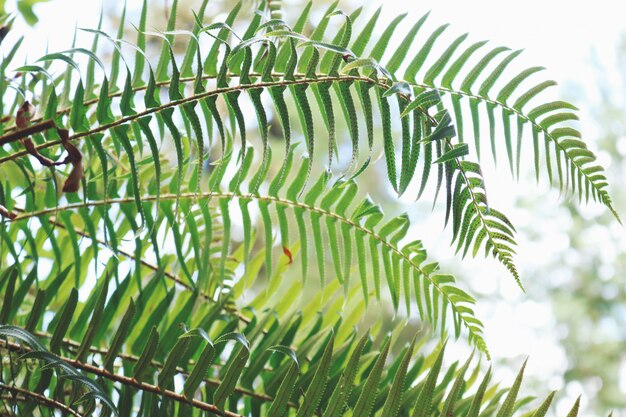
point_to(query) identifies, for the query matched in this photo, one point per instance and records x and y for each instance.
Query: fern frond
(356, 224)
(420, 376)
(180, 231)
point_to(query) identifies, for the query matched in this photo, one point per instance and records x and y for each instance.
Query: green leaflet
(491, 79)
(194, 120)
(167, 118)
(545, 405)
(336, 403)
(400, 54)
(121, 134)
(165, 56)
(394, 398)
(94, 321)
(416, 64)
(508, 406)
(306, 119)
(120, 337)
(574, 411)
(78, 115)
(210, 63)
(200, 369)
(11, 278)
(193, 47)
(458, 151)
(454, 394)
(365, 402)
(512, 85)
(317, 386)
(383, 41)
(316, 36)
(279, 405)
(115, 60)
(231, 375)
(63, 323)
(140, 58)
(388, 140)
(147, 353)
(423, 406)
(173, 358)
(442, 61)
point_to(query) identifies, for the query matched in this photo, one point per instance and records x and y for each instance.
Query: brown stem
(132, 382)
(194, 98)
(27, 131)
(72, 345)
(33, 396)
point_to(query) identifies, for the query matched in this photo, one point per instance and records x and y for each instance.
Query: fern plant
(186, 236)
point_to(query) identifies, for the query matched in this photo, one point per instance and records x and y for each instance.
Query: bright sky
(559, 35)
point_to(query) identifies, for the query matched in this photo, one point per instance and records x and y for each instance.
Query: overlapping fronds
(272, 59)
(162, 258)
(205, 258)
(154, 365)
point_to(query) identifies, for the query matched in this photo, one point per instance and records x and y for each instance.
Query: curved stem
(270, 199)
(534, 123)
(488, 231)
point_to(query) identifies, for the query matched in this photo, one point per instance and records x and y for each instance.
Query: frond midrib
(72, 344)
(37, 397)
(185, 100)
(270, 199)
(503, 259)
(299, 78)
(601, 191)
(92, 369)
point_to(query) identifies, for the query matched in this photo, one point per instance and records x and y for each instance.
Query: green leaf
(508, 406)
(458, 151)
(147, 353)
(11, 274)
(94, 322)
(165, 379)
(394, 398)
(542, 410)
(365, 402)
(424, 403)
(574, 411)
(342, 391)
(316, 388)
(231, 375)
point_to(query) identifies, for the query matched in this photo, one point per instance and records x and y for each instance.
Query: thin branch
(132, 382)
(41, 399)
(27, 131)
(165, 83)
(190, 99)
(74, 346)
(488, 231)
